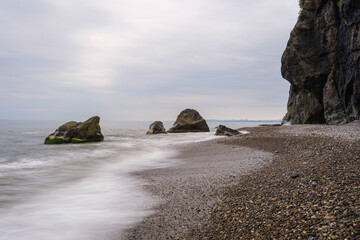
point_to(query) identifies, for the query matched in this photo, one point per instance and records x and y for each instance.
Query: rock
(333, 109)
(225, 131)
(270, 125)
(189, 120)
(295, 175)
(322, 64)
(77, 132)
(156, 128)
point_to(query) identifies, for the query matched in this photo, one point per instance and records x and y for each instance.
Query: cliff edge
(322, 62)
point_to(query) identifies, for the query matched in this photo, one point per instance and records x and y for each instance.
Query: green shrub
(302, 3)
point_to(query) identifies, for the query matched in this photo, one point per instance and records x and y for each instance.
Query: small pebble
(295, 175)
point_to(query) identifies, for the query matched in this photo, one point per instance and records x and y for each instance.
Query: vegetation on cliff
(303, 2)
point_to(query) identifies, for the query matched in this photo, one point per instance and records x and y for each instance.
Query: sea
(81, 191)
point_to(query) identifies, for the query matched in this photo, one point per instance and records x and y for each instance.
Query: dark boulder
(77, 132)
(189, 120)
(156, 128)
(322, 62)
(225, 131)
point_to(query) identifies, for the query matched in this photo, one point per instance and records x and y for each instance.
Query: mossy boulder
(156, 127)
(77, 132)
(189, 120)
(225, 131)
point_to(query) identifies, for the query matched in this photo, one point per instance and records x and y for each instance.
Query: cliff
(322, 62)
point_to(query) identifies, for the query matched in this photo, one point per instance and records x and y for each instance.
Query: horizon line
(208, 120)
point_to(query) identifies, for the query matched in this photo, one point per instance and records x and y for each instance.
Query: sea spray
(82, 191)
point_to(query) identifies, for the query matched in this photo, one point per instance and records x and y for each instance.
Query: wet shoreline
(305, 184)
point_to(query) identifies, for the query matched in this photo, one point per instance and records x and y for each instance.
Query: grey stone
(189, 120)
(156, 127)
(77, 132)
(225, 131)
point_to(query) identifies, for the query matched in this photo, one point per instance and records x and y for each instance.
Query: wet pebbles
(310, 190)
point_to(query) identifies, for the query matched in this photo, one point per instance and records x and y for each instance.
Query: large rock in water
(225, 131)
(156, 128)
(77, 132)
(189, 120)
(322, 62)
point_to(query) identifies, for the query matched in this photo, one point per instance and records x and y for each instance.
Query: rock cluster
(77, 132)
(156, 128)
(322, 63)
(189, 120)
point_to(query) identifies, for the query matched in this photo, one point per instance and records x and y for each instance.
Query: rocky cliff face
(322, 62)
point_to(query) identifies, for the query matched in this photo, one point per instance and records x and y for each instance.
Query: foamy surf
(84, 191)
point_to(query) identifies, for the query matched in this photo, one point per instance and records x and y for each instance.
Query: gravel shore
(277, 182)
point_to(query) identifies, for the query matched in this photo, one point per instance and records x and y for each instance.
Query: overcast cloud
(143, 60)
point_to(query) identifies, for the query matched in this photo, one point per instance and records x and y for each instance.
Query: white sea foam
(78, 191)
(25, 163)
(150, 158)
(82, 191)
(102, 200)
(286, 123)
(244, 132)
(92, 208)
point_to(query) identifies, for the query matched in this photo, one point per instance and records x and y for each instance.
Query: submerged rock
(189, 120)
(156, 128)
(77, 132)
(322, 63)
(225, 131)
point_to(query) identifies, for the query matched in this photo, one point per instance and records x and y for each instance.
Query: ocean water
(80, 191)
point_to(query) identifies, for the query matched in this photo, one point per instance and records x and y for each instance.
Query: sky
(142, 59)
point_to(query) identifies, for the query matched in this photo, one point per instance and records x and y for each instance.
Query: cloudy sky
(142, 59)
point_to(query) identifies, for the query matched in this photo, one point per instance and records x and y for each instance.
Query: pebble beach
(276, 182)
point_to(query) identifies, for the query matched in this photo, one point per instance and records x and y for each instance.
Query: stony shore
(288, 182)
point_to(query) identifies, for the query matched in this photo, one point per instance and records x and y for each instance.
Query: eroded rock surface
(225, 131)
(189, 120)
(77, 132)
(156, 127)
(322, 62)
